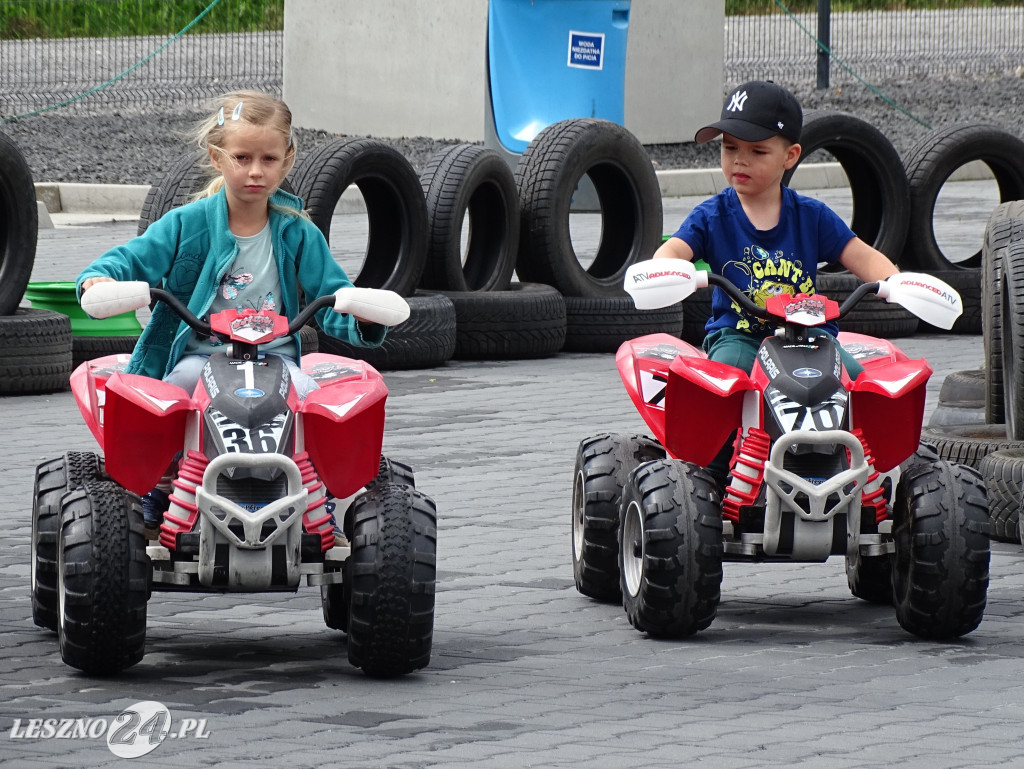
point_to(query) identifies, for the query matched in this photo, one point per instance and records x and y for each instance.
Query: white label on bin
(586, 49)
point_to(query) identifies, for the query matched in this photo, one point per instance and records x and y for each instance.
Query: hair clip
(236, 114)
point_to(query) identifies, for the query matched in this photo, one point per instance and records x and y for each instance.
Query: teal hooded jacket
(189, 249)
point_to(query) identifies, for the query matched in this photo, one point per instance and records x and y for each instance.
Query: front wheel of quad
(941, 560)
(603, 464)
(392, 574)
(102, 579)
(670, 548)
(53, 479)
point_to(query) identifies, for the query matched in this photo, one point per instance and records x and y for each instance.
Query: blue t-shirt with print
(762, 263)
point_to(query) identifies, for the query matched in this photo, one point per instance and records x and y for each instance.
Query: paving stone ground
(525, 671)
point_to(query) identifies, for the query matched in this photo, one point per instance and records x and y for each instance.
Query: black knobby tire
(426, 339)
(392, 572)
(603, 463)
(930, 163)
(1003, 473)
(869, 577)
(968, 444)
(873, 315)
(52, 480)
(630, 200)
(35, 351)
(19, 225)
(392, 471)
(526, 321)
(396, 212)
(470, 185)
(103, 579)
(1011, 298)
(878, 183)
(1005, 225)
(941, 560)
(670, 548)
(603, 323)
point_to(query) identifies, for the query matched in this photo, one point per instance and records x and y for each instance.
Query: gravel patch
(136, 148)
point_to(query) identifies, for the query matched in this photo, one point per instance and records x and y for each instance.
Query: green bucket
(60, 297)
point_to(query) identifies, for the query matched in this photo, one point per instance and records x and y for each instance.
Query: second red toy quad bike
(262, 478)
(822, 465)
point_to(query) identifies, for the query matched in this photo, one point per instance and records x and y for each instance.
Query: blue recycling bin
(551, 60)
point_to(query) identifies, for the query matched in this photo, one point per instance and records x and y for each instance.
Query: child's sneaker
(154, 505)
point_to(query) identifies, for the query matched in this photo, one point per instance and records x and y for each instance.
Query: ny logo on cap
(737, 101)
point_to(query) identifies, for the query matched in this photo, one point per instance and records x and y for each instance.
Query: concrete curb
(125, 200)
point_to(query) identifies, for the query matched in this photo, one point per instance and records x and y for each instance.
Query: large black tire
(396, 249)
(930, 163)
(872, 316)
(1003, 473)
(102, 579)
(1011, 298)
(670, 548)
(526, 321)
(1005, 226)
(878, 183)
(630, 200)
(941, 559)
(35, 351)
(471, 185)
(425, 340)
(84, 348)
(52, 480)
(19, 225)
(603, 323)
(603, 463)
(968, 444)
(393, 571)
(961, 399)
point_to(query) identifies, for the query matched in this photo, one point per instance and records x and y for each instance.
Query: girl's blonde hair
(249, 107)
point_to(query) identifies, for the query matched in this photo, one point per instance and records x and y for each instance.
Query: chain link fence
(125, 70)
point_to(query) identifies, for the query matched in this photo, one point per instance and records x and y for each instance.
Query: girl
(244, 243)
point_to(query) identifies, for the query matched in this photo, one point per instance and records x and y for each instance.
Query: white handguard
(658, 283)
(932, 300)
(375, 305)
(107, 299)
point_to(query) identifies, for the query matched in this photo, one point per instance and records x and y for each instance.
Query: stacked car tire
(35, 344)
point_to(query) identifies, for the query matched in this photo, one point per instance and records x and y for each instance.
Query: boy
(764, 237)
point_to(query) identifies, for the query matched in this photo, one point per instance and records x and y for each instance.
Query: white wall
(418, 67)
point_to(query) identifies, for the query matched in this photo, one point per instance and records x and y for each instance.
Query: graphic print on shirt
(762, 275)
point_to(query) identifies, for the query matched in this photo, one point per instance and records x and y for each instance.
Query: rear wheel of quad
(670, 546)
(603, 463)
(870, 577)
(102, 579)
(392, 573)
(940, 565)
(53, 479)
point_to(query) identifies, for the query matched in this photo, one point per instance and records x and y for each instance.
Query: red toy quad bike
(821, 466)
(259, 473)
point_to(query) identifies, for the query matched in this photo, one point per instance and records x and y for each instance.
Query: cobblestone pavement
(525, 671)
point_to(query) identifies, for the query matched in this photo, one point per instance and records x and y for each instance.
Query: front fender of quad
(143, 428)
(691, 404)
(887, 406)
(343, 432)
